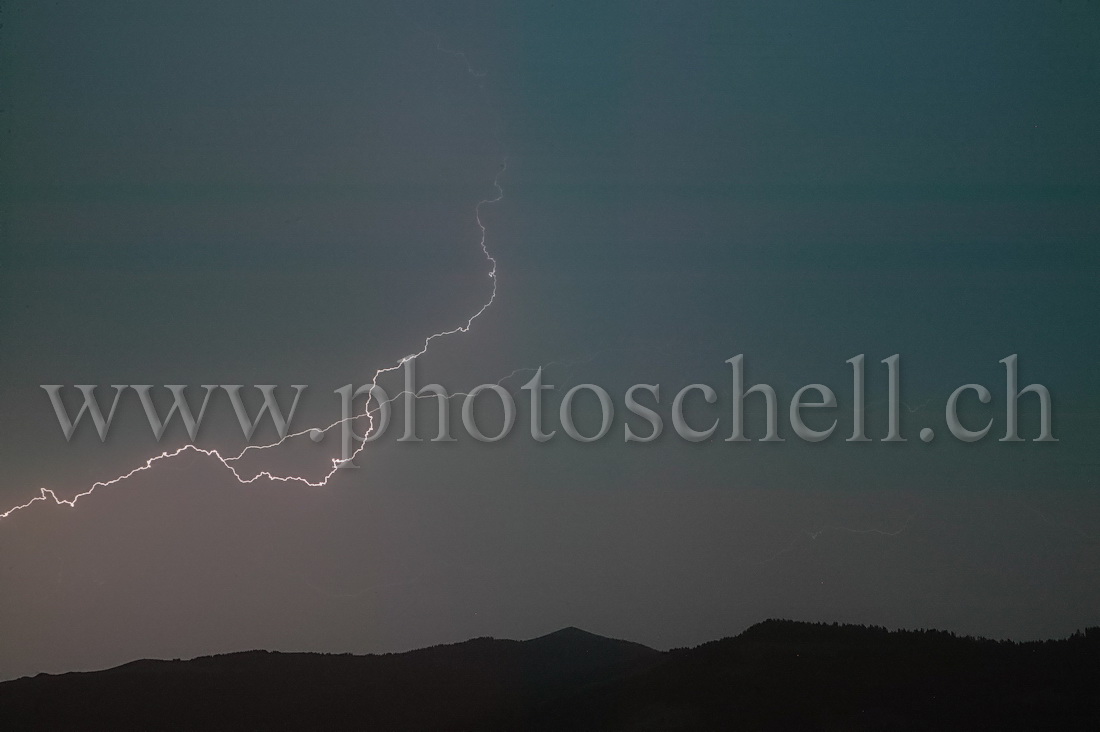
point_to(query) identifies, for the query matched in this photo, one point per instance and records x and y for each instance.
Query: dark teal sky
(274, 193)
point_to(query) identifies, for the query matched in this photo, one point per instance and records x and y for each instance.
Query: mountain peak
(571, 631)
(573, 641)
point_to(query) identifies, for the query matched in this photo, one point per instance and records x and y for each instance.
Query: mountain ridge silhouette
(777, 674)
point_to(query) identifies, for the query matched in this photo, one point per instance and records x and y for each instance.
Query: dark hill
(783, 675)
(462, 686)
(775, 675)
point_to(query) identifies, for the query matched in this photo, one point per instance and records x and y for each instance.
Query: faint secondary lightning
(813, 535)
(47, 494)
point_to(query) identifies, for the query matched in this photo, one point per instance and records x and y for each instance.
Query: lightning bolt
(46, 494)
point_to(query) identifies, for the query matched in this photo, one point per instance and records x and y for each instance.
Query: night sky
(285, 193)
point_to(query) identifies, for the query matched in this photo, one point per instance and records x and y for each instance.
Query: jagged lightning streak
(47, 494)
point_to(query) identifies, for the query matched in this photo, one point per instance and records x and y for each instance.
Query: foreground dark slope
(776, 675)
